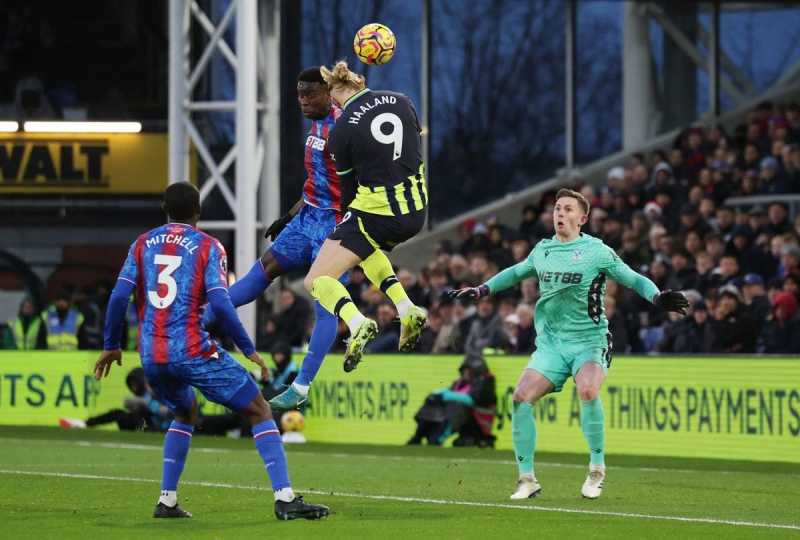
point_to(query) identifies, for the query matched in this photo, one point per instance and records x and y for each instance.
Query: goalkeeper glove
(277, 226)
(671, 301)
(472, 293)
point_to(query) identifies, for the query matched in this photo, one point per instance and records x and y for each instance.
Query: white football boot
(593, 486)
(527, 487)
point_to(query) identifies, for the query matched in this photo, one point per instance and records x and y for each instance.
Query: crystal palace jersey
(173, 267)
(322, 188)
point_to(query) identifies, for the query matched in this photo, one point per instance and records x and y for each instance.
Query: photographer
(466, 408)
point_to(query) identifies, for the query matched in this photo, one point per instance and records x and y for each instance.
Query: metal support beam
(691, 50)
(426, 61)
(246, 174)
(269, 146)
(638, 96)
(713, 61)
(178, 55)
(571, 65)
(251, 152)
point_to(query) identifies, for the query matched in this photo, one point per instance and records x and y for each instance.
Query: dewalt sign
(83, 163)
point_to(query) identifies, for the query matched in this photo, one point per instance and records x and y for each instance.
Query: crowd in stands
(666, 216)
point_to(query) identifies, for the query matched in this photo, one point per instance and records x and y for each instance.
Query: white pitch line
(343, 455)
(423, 500)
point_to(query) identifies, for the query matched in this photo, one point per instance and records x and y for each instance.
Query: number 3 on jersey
(394, 137)
(170, 263)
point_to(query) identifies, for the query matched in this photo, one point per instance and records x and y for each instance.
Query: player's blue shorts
(299, 242)
(221, 380)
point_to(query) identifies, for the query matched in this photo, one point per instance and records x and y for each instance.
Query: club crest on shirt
(577, 255)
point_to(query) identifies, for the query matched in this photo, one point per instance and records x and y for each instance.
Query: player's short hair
(340, 76)
(181, 201)
(582, 201)
(311, 75)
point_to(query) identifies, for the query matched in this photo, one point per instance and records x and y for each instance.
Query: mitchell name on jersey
(355, 116)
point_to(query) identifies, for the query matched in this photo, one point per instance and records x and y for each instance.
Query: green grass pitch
(100, 484)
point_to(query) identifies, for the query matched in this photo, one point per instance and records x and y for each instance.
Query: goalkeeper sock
(270, 448)
(593, 427)
(378, 270)
(250, 286)
(176, 447)
(523, 435)
(335, 298)
(322, 338)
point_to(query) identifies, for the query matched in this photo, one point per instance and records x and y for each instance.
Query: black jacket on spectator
(483, 333)
(685, 336)
(779, 338)
(758, 310)
(292, 322)
(734, 334)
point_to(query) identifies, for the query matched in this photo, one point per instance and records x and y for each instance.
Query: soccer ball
(374, 44)
(293, 421)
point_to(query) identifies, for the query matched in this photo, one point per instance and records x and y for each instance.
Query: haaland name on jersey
(355, 116)
(179, 239)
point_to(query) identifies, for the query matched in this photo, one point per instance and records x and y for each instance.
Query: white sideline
(683, 519)
(344, 455)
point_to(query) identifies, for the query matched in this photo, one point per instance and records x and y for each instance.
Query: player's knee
(272, 269)
(523, 394)
(258, 410)
(308, 282)
(588, 392)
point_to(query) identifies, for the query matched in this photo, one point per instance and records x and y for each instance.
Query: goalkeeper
(572, 332)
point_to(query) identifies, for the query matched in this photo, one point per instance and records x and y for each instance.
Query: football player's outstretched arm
(644, 287)
(500, 281)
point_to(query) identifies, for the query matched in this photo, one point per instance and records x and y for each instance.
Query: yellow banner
(118, 163)
(720, 408)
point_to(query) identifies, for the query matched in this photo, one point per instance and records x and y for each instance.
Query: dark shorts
(363, 233)
(221, 380)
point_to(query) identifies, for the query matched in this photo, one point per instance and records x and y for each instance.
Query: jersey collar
(354, 97)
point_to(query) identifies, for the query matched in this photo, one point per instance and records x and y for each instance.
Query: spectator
(725, 222)
(140, 411)
(284, 372)
(520, 249)
(733, 330)
(790, 261)
(388, 332)
(778, 217)
(690, 335)
(530, 228)
(621, 342)
(772, 182)
(530, 292)
(63, 322)
(27, 331)
(433, 328)
(691, 221)
(90, 334)
(683, 276)
(485, 330)
(294, 316)
(413, 289)
(270, 335)
(459, 271)
(781, 332)
(499, 254)
(755, 299)
(727, 272)
(526, 337)
(356, 285)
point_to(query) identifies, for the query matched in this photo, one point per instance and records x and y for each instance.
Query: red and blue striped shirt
(173, 268)
(322, 188)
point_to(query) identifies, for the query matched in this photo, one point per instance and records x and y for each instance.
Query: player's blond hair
(582, 201)
(340, 77)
